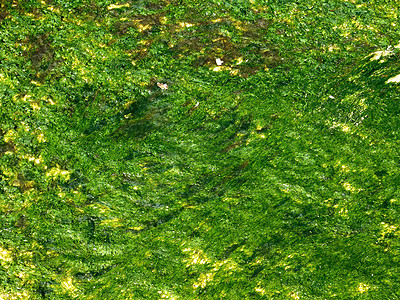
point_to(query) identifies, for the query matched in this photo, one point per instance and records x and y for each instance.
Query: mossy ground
(271, 175)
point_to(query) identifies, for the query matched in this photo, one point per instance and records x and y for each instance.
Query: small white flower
(219, 62)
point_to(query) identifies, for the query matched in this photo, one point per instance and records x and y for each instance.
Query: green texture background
(272, 176)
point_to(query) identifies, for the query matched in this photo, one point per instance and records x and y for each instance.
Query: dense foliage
(160, 149)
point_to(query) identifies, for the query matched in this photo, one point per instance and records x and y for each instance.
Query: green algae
(270, 176)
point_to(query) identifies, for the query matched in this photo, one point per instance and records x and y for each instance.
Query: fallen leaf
(219, 62)
(162, 86)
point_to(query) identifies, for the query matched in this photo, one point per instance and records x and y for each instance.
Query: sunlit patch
(239, 60)
(53, 9)
(142, 28)
(163, 19)
(36, 83)
(112, 223)
(217, 69)
(40, 137)
(91, 52)
(116, 6)
(166, 295)
(45, 98)
(203, 280)
(343, 211)
(173, 170)
(285, 188)
(5, 256)
(196, 257)
(363, 104)
(239, 25)
(137, 228)
(394, 79)
(345, 29)
(203, 226)
(145, 43)
(344, 127)
(227, 265)
(68, 286)
(21, 275)
(221, 68)
(348, 187)
(333, 48)
(36, 160)
(260, 291)
(294, 296)
(101, 208)
(57, 173)
(26, 98)
(360, 26)
(216, 20)
(388, 229)
(363, 287)
(345, 168)
(15, 296)
(378, 54)
(184, 24)
(25, 126)
(35, 106)
(10, 135)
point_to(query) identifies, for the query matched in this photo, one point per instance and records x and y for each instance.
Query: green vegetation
(158, 149)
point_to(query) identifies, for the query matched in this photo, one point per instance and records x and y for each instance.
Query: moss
(173, 149)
